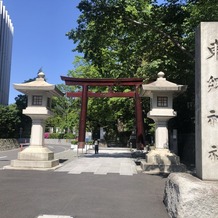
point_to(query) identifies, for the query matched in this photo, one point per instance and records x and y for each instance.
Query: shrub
(74, 142)
(69, 136)
(62, 136)
(53, 136)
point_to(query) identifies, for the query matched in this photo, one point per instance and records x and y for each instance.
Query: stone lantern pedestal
(161, 92)
(37, 156)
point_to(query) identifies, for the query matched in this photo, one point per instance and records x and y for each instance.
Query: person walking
(96, 144)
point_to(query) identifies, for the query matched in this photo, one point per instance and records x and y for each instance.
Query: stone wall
(8, 144)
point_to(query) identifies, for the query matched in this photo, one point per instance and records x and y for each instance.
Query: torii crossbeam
(85, 94)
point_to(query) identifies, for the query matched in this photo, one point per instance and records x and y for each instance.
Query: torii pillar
(83, 113)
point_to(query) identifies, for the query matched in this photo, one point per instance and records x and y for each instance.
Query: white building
(6, 37)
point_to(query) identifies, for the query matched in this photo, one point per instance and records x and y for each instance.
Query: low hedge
(61, 136)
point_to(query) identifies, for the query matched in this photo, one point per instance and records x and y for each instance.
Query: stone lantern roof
(38, 85)
(162, 85)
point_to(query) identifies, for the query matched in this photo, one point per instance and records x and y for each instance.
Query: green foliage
(26, 122)
(74, 142)
(83, 69)
(69, 136)
(137, 38)
(125, 38)
(65, 114)
(9, 121)
(54, 136)
(21, 102)
(62, 136)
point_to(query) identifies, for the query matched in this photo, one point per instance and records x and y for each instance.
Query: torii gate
(85, 83)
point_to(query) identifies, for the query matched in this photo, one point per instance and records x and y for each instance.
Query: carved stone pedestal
(162, 161)
(35, 157)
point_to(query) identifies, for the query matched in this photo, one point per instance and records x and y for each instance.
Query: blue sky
(39, 39)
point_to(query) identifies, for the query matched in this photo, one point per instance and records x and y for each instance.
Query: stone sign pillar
(206, 80)
(185, 195)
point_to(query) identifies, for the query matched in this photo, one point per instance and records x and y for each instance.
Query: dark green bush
(54, 136)
(62, 136)
(74, 142)
(69, 136)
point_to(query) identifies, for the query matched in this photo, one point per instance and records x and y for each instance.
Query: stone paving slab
(100, 166)
(108, 161)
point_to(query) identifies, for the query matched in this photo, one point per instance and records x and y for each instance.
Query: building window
(162, 101)
(37, 100)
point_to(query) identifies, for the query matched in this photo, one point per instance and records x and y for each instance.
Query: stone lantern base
(35, 157)
(162, 161)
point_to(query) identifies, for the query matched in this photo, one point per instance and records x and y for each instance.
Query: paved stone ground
(107, 161)
(107, 186)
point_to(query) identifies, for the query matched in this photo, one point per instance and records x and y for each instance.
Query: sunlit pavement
(106, 161)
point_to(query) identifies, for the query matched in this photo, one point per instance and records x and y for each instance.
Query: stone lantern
(161, 93)
(39, 94)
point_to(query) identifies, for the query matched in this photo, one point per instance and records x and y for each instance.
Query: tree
(137, 38)
(26, 122)
(9, 121)
(103, 112)
(66, 115)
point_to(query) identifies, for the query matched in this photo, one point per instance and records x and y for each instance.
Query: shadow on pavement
(62, 160)
(162, 175)
(113, 155)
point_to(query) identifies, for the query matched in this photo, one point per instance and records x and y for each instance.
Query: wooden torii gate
(85, 94)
